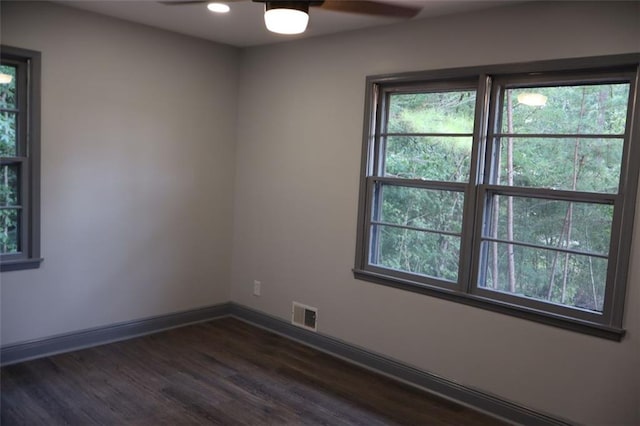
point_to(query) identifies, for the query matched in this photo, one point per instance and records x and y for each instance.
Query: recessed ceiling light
(218, 7)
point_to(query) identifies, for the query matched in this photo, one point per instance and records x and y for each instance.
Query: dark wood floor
(222, 372)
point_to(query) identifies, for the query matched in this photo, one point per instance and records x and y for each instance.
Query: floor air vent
(304, 316)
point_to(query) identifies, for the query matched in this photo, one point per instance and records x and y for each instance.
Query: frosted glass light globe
(286, 21)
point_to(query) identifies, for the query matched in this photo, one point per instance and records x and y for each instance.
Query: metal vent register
(304, 316)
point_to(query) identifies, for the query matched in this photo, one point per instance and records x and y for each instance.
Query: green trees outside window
(9, 227)
(19, 159)
(573, 142)
(508, 189)
(427, 137)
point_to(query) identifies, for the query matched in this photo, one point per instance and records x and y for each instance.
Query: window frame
(490, 80)
(28, 74)
(377, 171)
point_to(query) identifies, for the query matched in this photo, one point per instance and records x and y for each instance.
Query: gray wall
(138, 140)
(299, 141)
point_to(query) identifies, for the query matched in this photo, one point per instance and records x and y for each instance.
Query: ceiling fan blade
(371, 8)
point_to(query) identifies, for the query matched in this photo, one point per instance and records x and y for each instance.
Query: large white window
(511, 188)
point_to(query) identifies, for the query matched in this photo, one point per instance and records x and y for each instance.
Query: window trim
(609, 324)
(30, 257)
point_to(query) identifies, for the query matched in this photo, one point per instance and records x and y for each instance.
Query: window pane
(9, 185)
(422, 253)
(9, 234)
(587, 109)
(443, 158)
(422, 208)
(436, 112)
(557, 224)
(8, 90)
(8, 139)
(590, 165)
(567, 279)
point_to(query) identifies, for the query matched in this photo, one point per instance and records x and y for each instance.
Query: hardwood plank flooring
(223, 372)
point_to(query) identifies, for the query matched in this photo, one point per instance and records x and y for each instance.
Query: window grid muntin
(520, 243)
(416, 228)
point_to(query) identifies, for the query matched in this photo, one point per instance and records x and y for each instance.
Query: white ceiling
(244, 25)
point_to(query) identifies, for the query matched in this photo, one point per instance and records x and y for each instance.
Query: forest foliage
(9, 184)
(548, 249)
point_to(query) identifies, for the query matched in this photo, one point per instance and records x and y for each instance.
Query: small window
(508, 188)
(19, 159)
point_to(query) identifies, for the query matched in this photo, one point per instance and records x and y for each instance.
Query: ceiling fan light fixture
(286, 17)
(218, 7)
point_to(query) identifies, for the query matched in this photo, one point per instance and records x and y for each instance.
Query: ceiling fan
(291, 17)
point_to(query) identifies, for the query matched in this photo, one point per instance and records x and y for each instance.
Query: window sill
(580, 326)
(18, 265)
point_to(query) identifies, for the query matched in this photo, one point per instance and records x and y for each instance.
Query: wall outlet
(257, 287)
